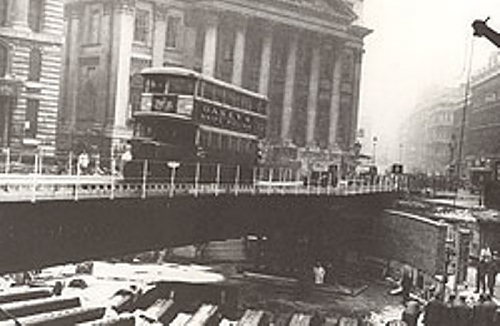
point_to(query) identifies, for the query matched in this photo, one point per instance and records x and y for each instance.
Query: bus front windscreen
(169, 84)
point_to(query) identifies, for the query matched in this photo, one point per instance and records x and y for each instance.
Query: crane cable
(463, 120)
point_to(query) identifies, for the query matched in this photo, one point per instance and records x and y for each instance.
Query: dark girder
(481, 29)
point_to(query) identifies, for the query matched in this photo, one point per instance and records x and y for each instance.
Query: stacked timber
(232, 250)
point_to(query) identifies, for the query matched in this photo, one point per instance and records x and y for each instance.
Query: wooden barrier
(207, 314)
(62, 317)
(37, 306)
(253, 318)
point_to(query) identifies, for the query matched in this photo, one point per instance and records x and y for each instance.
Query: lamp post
(172, 165)
(375, 140)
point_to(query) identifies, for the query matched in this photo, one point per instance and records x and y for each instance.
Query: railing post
(7, 160)
(329, 184)
(112, 196)
(70, 163)
(308, 179)
(35, 167)
(270, 181)
(77, 182)
(254, 180)
(172, 182)
(40, 162)
(196, 178)
(217, 180)
(297, 179)
(318, 184)
(33, 198)
(144, 178)
(237, 180)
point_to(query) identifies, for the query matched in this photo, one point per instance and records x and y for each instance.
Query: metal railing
(39, 187)
(44, 179)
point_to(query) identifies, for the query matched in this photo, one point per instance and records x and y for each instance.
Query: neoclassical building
(31, 35)
(305, 55)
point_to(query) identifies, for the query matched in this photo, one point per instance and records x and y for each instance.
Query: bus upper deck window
(246, 103)
(230, 97)
(208, 91)
(157, 85)
(219, 94)
(181, 85)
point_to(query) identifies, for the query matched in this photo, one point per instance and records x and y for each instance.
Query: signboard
(225, 118)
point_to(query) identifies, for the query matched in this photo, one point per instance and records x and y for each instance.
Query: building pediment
(326, 16)
(318, 8)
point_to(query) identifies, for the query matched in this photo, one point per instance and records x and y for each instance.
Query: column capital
(74, 10)
(210, 18)
(160, 12)
(239, 21)
(125, 6)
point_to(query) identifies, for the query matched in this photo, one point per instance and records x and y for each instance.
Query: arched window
(35, 65)
(4, 59)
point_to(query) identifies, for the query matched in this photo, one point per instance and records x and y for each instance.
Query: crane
(482, 29)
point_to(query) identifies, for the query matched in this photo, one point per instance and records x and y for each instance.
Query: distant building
(428, 135)
(304, 55)
(482, 132)
(31, 35)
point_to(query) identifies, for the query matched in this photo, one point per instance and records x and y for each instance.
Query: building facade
(304, 55)
(31, 35)
(482, 128)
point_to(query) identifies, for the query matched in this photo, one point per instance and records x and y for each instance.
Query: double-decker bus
(195, 120)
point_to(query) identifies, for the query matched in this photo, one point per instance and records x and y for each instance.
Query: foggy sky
(416, 45)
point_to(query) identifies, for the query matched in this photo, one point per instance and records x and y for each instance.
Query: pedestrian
(83, 163)
(434, 312)
(461, 312)
(406, 284)
(492, 275)
(411, 313)
(57, 289)
(319, 273)
(482, 268)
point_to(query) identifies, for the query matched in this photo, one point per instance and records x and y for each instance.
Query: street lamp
(375, 140)
(172, 165)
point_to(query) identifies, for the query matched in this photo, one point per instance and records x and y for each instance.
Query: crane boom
(482, 29)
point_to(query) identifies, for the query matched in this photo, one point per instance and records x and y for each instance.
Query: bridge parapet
(15, 188)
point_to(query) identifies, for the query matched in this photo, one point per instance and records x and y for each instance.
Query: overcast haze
(416, 45)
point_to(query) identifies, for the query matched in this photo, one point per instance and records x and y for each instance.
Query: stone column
(265, 61)
(210, 49)
(239, 50)
(312, 99)
(335, 100)
(291, 63)
(20, 14)
(123, 32)
(159, 34)
(74, 15)
(355, 95)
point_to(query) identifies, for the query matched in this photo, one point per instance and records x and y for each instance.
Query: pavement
(462, 199)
